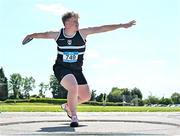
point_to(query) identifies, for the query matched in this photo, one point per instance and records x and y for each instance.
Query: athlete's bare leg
(77, 94)
(69, 83)
(84, 93)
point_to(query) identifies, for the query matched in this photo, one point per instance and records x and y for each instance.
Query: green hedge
(48, 100)
(37, 100)
(15, 100)
(59, 101)
(101, 103)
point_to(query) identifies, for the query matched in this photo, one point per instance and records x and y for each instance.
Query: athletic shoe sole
(65, 111)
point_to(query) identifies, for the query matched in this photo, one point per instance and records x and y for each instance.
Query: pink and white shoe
(74, 121)
(66, 109)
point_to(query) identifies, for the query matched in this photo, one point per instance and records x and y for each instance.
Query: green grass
(44, 107)
(29, 107)
(127, 109)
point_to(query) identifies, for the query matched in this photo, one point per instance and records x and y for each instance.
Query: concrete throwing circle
(87, 127)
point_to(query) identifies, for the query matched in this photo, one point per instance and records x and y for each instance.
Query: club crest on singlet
(69, 42)
(70, 57)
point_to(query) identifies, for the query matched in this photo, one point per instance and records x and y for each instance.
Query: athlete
(71, 45)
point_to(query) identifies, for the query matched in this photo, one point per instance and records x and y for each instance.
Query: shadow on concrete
(57, 129)
(64, 128)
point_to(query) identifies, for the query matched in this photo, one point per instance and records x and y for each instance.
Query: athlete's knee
(87, 97)
(73, 89)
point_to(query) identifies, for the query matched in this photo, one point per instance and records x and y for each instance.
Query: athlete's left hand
(131, 23)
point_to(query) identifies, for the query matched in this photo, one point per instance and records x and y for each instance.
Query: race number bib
(70, 57)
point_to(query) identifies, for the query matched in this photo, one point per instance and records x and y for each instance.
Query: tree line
(19, 87)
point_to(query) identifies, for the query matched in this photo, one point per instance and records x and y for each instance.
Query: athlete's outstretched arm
(105, 28)
(45, 35)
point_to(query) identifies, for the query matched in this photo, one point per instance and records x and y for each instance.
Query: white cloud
(92, 54)
(112, 61)
(107, 62)
(159, 62)
(100, 61)
(55, 9)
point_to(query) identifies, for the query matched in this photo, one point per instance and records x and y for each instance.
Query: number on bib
(70, 57)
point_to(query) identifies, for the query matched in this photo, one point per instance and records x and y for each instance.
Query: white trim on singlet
(58, 35)
(68, 36)
(79, 53)
(71, 47)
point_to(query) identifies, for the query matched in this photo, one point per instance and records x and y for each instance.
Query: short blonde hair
(68, 15)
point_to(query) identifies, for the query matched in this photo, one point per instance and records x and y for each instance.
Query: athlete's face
(72, 23)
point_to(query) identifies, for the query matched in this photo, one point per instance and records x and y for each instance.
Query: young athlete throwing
(71, 45)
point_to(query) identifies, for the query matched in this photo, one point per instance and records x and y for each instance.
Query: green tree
(93, 95)
(58, 91)
(115, 95)
(99, 98)
(152, 100)
(15, 84)
(175, 98)
(119, 95)
(3, 86)
(135, 92)
(165, 101)
(137, 102)
(126, 95)
(28, 85)
(43, 89)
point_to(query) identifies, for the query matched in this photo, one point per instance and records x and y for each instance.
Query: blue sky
(146, 56)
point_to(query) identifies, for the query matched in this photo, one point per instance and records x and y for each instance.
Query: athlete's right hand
(27, 39)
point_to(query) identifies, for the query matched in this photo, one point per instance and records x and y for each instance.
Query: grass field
(44, 107)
